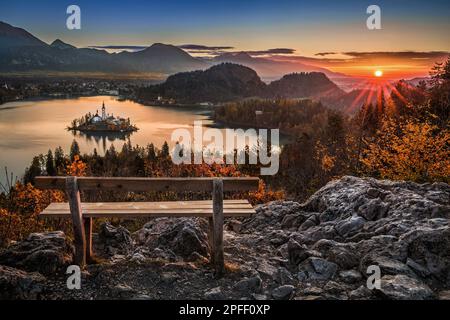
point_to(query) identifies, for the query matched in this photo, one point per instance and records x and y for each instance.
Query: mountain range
(21, 51)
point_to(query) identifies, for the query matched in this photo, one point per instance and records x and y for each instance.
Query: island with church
(102, 123)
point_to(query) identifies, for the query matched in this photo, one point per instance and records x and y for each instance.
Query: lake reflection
(28, 128)
(102, 139)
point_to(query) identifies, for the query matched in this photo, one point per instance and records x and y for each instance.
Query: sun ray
(353, 105)
(397, 93)
(386, 91)
(370, 95)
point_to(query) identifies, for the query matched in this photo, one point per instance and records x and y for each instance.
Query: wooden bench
(82, 213)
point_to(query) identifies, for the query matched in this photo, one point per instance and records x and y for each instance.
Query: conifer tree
(74, 150)
(50, 164)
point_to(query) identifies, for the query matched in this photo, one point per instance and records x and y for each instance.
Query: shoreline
(52, 97)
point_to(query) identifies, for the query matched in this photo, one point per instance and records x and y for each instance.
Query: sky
(331, 34)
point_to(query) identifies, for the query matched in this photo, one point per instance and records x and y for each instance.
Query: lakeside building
(104, 123)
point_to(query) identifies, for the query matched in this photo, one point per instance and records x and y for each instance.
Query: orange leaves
(326, 160)
(77, 167)
(24, 202)
(9, 223)
(27, 200)
(264, 194)
(409, 151)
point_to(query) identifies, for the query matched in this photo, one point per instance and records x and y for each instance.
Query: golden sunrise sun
(378, 73)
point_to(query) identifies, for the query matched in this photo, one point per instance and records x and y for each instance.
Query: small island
(103, 123)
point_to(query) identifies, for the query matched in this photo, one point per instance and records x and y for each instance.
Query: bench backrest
(150, 184)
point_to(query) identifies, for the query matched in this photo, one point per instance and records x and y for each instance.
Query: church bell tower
(103, 111)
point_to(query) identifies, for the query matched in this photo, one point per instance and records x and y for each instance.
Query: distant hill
(16, 37)
(220, 83)
(416, 81)
(21, 51)
(61, 45)
(160, 58)
(305, 85)
(352, 101)
(230, 82)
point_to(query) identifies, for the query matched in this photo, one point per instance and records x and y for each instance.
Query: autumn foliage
(76, 168)
(19, 212)
(409, 151)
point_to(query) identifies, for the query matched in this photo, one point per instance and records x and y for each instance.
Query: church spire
(103, 111)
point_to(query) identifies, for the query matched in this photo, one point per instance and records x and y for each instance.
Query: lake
(28, 128)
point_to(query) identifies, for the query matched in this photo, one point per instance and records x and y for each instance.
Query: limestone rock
(249, 285)
(214, 294)
(402, 287)
(350, 276)
(182, 236)
(46, 253)
(284, 277)
(123, 292)
(361, 293)
(296, 252)
(17, 284)
(318, 268)
(114, 240)
(283, 292)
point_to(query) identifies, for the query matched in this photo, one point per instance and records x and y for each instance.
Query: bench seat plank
(202, 208)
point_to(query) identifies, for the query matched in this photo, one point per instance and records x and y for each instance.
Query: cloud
(368, 58)
(303, 59)
(198, 48)
(269, 52)
(397, 54)
(274, 51)
(119, 47)
(203, 48)
(322, 54)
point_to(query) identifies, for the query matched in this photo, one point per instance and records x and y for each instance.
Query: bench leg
(88, 232)
(79, 234)
(218, 227)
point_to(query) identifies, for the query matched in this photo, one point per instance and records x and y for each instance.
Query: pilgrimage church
(105, 122)
(106, 118)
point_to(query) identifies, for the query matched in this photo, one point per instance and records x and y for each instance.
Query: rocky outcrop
(401, 287)
(174, 239)
(325, 248)
(353, 223)
(17, 284)
(114, 240)
(47, 253)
